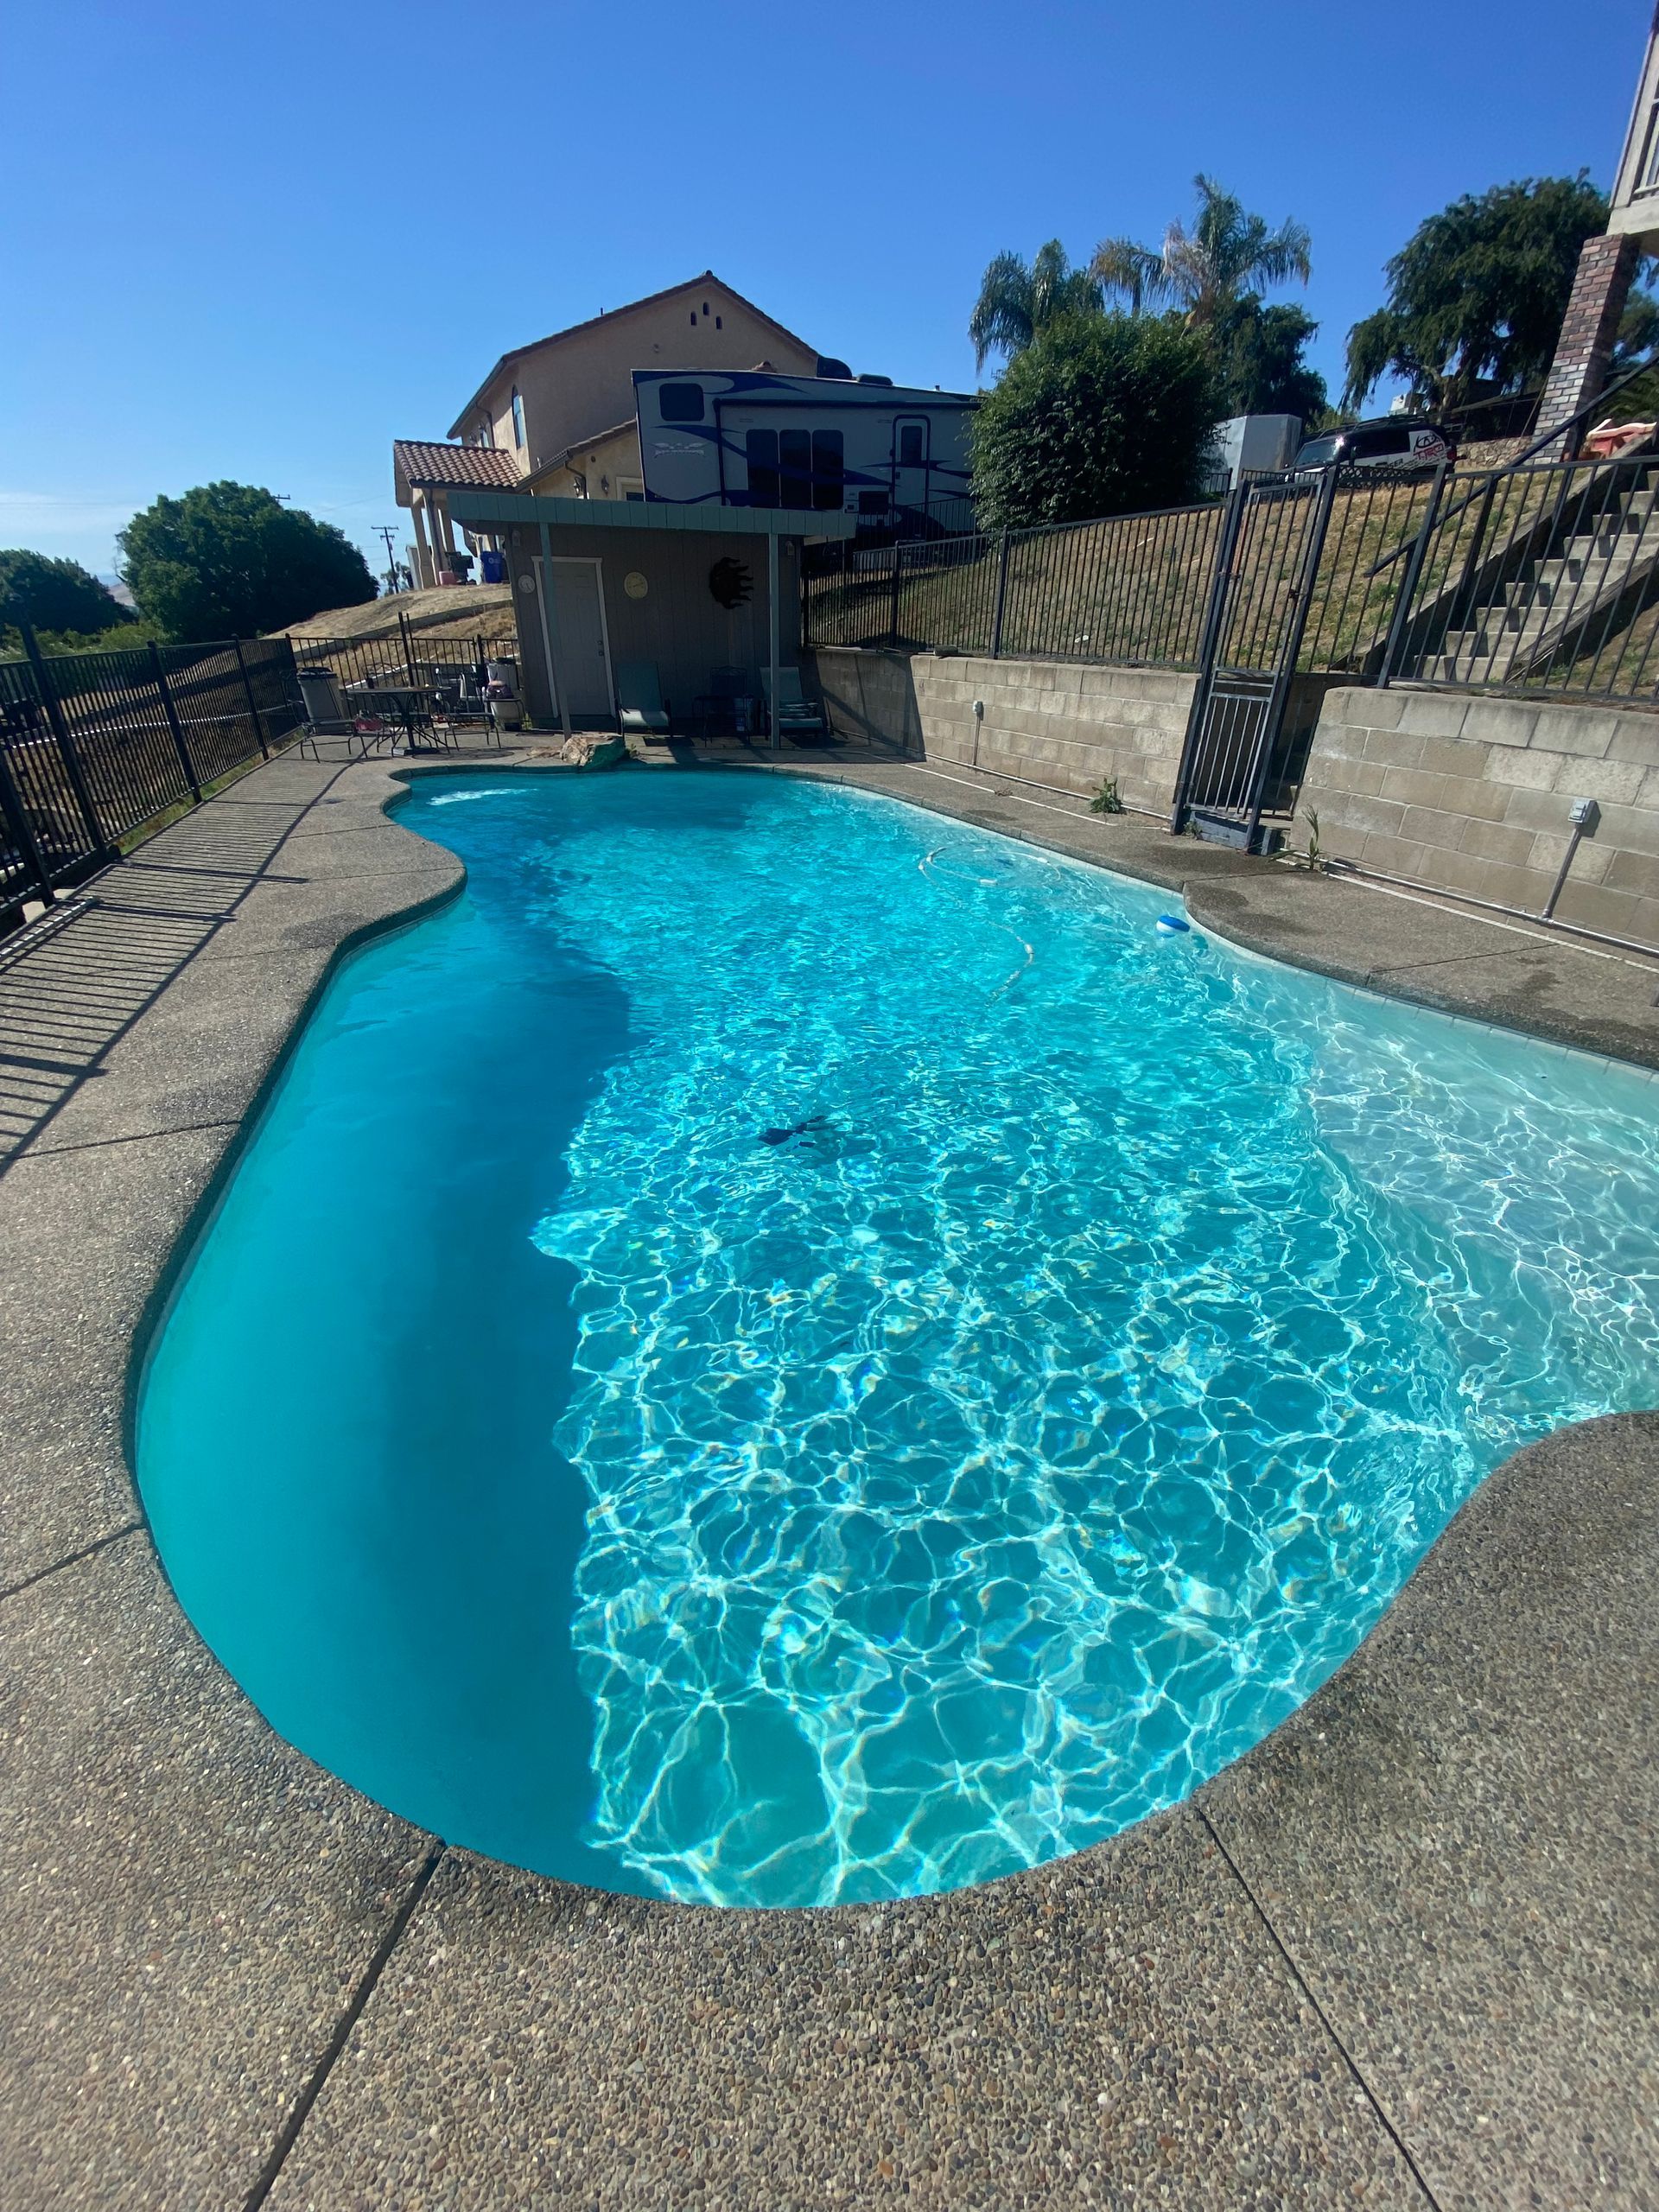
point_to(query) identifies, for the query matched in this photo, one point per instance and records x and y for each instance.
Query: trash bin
(494, 569)
(322, 697)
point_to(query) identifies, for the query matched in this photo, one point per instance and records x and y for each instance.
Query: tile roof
(429, 460)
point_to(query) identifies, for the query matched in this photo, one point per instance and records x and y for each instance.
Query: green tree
(1099, 414)
(1228, 255)
(52, 595)
(1260, 353)
(1477, 293)
(1017, 300)
(229, 561)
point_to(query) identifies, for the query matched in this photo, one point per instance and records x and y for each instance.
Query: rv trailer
(862, 445)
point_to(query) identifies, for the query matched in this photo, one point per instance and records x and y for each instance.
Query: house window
(795, 468)
(517, 418)
(1647, 175)
(694, 318)
(486, 435)
(912, 446)
(761, 447)
(717, 324)
(680, 402)
(829, 470)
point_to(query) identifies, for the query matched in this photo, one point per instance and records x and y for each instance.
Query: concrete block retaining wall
(1474, 794)
(1055, 722)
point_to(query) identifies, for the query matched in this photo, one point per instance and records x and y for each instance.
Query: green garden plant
(1100, 415)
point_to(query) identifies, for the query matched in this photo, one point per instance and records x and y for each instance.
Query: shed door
(581, 649)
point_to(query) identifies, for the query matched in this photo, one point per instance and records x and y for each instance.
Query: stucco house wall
(580, 381)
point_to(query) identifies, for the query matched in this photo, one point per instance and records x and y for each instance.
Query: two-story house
(558, 415)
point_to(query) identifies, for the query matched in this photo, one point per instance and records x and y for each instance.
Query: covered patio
(426, 473)
(704, 603)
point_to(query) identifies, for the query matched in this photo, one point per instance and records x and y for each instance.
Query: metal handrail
(1548, 438)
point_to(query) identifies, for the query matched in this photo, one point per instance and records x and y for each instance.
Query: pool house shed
(708, 597)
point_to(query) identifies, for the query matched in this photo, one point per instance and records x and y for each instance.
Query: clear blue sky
(261, 241)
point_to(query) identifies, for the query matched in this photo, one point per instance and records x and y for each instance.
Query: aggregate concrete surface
(1403, 1952)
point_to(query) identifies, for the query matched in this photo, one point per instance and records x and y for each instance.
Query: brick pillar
(1599, 291)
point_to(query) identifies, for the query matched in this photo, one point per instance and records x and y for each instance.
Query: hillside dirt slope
(453, 611)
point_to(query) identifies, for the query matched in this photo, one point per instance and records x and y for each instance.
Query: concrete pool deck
(1403, 1952)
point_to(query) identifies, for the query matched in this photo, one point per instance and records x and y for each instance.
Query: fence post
(1409, 585)
(892, 607)
(175, 727)
(1001, 595)
(253, 707)
(408, 649)
(59, 725)
(15, 815)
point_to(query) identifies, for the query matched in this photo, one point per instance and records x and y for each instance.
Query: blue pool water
(894, 1504)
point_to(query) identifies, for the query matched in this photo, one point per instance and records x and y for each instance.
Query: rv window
(912, 446)
(872, 503)
(762, 449)
(794, 468)
(680, 402)
(829, 470)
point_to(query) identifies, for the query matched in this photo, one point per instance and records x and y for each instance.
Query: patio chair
(726, 709)
(795, 716)
(639, 700)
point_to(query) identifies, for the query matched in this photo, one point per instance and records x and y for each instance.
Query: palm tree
(1016, 300)
(1227, 255)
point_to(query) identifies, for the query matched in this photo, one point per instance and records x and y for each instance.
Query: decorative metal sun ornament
(731, 583)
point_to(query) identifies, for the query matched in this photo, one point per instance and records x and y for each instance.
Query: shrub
(1100, 415)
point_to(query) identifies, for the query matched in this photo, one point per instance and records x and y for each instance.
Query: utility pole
(386, 532)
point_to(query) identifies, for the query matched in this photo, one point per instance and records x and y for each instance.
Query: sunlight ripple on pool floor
(886, 1505)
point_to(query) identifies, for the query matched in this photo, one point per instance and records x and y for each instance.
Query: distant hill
(452, 611)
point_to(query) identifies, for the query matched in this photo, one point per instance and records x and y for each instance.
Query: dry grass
(455, 610)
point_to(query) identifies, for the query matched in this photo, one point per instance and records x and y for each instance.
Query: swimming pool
(783, 1350)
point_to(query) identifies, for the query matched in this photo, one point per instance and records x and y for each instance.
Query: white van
(853, 445)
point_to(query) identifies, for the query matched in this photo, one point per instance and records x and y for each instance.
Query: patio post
(771, 626)
(542, 571)
(423, 560)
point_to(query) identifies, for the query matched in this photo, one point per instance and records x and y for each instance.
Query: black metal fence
(447, 666)
(1541, 579)
(94, 746)
(1130, 589)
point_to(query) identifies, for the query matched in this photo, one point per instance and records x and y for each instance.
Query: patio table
(407, 705)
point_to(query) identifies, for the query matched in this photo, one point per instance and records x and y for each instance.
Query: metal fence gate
(1267, 566)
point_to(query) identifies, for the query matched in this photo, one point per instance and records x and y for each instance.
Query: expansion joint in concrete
(128, 1137)
(288, 2135)
(1323, 2018)
(73, 1559)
